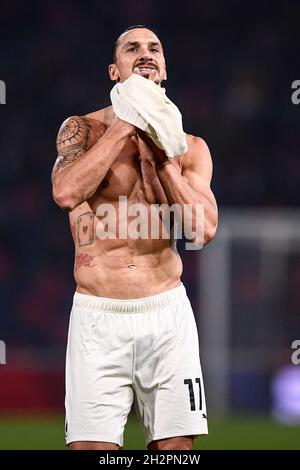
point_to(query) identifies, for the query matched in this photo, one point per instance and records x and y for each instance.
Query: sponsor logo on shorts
(152, 222)
(295, 357)
(2, 92)
(2, 352)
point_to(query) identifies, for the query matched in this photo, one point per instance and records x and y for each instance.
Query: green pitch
(235, 433)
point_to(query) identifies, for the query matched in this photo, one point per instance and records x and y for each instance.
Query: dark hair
(142, 26)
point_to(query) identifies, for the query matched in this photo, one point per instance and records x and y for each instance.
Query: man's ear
(113, 72)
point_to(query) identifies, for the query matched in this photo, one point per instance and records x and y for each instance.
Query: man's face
(139, 51)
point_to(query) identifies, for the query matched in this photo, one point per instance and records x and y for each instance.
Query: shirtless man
(132, 334)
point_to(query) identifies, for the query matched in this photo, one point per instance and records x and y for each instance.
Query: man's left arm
(191, 185)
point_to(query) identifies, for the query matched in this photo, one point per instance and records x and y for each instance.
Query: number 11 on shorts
(189, 382)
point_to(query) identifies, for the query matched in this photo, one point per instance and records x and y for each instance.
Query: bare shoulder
(76, 136)
(197, 161)
(198, 152)
(79, 129)
(104, 115)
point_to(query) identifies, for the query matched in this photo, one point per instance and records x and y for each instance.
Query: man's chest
(130, 175)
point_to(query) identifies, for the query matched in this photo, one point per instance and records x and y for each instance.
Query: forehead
(139, 35)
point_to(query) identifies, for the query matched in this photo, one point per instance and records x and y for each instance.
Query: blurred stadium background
(230, 69)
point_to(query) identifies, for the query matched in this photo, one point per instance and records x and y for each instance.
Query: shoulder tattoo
(73, 140)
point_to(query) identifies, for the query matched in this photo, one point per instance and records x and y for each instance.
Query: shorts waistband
(143, 304)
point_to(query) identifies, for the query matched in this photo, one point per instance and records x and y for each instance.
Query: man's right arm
(84, 158)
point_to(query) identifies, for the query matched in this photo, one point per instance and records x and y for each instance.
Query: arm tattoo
(73, 140)
(74, 129)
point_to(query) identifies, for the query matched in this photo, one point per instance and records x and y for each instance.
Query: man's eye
(154, 49)
(131, 49)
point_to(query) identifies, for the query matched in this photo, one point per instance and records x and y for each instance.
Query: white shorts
(143, 350)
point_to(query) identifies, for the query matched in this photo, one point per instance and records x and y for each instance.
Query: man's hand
(149, 150)
(124, 128)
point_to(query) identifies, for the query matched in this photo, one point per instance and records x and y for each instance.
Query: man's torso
(123, 266)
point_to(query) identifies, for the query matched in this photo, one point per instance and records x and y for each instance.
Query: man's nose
(144, 54)
(144, 57)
